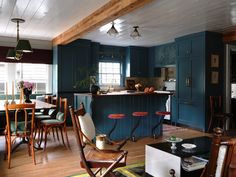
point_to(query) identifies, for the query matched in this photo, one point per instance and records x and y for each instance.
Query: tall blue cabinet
(194, 77)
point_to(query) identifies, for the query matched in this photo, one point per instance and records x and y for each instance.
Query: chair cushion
(20, 127)
(87, 126)
(51, 121)
(60, 116)
(220, 160)
(52, 113)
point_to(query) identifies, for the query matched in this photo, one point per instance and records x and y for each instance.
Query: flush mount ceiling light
(113, 31)
(135, 34)
(22, 46)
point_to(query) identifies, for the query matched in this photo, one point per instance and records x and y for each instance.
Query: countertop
(126, 93)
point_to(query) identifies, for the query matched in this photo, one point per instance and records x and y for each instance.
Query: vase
(27, 94)
(94, 89)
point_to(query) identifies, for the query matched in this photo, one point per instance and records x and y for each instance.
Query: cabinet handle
(188, 82)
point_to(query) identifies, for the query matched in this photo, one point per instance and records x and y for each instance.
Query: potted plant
(89, 80)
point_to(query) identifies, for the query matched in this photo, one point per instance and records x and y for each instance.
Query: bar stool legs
(160, 122)
(139, 115)
(116, 117)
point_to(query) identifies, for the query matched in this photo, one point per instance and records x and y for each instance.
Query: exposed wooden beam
(229, 37)
(110, 11)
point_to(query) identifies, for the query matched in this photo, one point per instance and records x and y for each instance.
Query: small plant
(89, 78)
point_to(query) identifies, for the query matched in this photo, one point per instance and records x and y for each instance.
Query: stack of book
(193, 163)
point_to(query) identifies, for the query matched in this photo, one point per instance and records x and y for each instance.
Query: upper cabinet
(165, 55)
(69, 60)
(137, 62)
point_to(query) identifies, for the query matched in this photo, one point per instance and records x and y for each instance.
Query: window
(40, 74)
(109, 73)
(3, 77)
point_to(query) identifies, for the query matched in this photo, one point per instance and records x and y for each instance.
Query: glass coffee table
(160, 158)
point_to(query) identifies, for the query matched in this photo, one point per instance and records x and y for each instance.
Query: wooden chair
(95, 158)
(58, 122)
(217, 117)
(220, 156)
(20, 126)
(88, 128)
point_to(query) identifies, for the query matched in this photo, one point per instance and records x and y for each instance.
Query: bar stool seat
(138, 115)
(115, 117)
(161, 114)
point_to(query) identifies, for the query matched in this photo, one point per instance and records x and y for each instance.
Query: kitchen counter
(100, 106)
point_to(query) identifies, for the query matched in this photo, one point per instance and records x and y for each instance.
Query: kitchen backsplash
(156, 82)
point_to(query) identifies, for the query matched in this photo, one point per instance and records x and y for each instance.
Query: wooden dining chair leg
(9, 153)
(67, 139)
(57, 134)
(62, 136)
(32, 153)
(45, 137)
(53, 134)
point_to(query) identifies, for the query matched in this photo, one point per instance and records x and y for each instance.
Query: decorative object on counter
(27, 88)
(149, 90)
(130, 84)
(138, 87)
(94, 89)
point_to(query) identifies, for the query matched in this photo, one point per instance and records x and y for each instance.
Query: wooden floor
(58, 161)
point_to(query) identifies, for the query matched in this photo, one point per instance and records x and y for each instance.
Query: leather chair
(20, 126)
(95, 158)
(58, 122)
(88, 128)
(221, 156)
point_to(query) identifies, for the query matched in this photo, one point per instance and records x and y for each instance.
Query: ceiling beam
(229, 37)
(107, 13)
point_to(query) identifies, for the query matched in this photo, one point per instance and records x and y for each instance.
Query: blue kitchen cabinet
(193, 76)
(71, 58)
(165, 55)
(137, 62)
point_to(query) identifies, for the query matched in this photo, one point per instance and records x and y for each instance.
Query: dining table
(38, 104)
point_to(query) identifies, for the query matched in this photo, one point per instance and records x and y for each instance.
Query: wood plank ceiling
(159, 22)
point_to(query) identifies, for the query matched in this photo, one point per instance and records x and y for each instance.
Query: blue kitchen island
(100, 106)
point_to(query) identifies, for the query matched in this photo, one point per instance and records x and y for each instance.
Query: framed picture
(214, 77)
(214, 61)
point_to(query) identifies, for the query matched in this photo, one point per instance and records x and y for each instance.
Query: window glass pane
(109, 73)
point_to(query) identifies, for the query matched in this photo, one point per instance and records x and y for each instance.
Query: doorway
(230, 81)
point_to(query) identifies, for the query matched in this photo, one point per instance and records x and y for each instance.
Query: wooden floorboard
(58, 161)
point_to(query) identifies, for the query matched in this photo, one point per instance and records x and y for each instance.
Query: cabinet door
(66, 70)
(183, 48)
(138, 62)
(184, 79)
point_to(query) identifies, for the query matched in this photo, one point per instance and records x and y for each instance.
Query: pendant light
(22, 45)
(113, 31)
(135, 34)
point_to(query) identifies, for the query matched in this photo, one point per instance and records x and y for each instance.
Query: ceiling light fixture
(112, 31)
(23, 46)
(135, 34)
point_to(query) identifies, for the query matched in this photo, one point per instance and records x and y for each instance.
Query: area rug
(134, 170)
(169, 128)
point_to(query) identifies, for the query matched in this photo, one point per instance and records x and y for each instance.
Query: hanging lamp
(113, 31)
(22, 45)
(135, 34)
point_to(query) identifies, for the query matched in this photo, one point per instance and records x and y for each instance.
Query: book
(193, 163)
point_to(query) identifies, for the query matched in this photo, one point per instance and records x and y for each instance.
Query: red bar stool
(160, 114)
(115, 117)
(138, 115)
